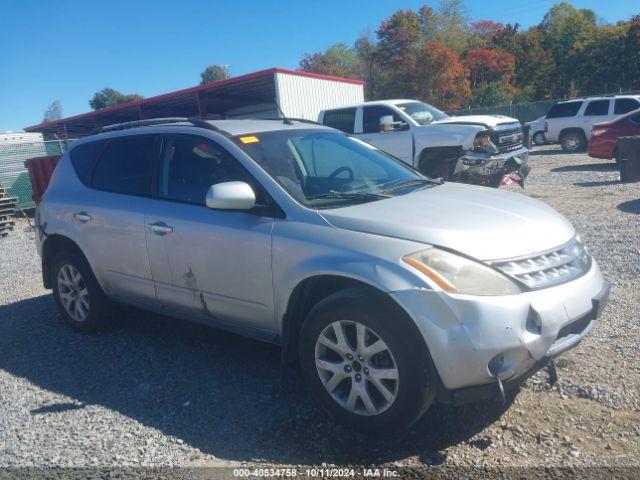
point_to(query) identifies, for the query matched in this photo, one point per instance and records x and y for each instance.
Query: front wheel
(573, 142)
(368, 372)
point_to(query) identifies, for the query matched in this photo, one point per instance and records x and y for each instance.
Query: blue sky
(68, 50)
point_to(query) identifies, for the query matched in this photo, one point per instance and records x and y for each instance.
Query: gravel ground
(155, 392)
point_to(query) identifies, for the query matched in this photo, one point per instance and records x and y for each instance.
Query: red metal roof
(138, 105)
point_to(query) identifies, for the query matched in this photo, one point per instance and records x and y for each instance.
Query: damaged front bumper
(479, 168)
(466, 333)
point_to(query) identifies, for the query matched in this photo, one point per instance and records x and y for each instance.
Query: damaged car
(391, 290)
(477, 149)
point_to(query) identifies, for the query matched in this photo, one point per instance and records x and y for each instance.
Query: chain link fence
(527, 111)
(14, 176)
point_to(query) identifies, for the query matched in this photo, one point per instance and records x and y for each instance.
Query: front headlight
(483, 143)
(457, 274)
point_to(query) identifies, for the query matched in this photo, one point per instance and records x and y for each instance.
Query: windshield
(324, 169)
(422, 113)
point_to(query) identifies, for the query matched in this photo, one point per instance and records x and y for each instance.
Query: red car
(604, 136)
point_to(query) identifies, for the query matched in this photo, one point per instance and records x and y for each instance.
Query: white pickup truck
(478, 149)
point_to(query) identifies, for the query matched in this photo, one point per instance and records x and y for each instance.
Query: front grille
(550, 268)
(508, 137)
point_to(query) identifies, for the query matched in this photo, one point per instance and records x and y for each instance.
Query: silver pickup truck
(477, 149)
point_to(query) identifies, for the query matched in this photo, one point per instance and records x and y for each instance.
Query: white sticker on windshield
(362, 142)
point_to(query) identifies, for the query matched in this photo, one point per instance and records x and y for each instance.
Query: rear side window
(597, 107)
(84, 156)
(371, 117)
(343, 119)
(569, 109)
(125, 166)
(625, 105)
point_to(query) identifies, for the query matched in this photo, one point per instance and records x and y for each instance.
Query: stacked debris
(7, 210)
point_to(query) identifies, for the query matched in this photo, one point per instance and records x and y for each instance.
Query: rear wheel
(539, 138)
(79, 298)
(367, 372)
(573, 141)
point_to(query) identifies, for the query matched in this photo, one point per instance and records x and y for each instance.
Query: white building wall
(305, 97)
(19, 137)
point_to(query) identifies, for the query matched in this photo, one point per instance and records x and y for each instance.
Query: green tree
(338, 60)
(107, 97)
(53, 111)
(490, 94)
(214, 73)
(566, 31)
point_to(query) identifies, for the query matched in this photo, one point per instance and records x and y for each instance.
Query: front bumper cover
(575, 332)
(464, 332)
(484, 169)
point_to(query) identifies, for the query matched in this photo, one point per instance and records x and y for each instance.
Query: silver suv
(390, 289)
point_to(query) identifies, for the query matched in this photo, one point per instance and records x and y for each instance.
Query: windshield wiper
(347, 195)
(407, 183)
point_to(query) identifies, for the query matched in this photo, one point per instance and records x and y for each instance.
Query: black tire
(573, 141)
(539, 138)
(416, 386)
(100, 308)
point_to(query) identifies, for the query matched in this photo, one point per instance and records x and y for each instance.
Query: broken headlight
(483, 143)
(457, 274)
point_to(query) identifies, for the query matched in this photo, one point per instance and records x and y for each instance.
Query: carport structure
(299, 95)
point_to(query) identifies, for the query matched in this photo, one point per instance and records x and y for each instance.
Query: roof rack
(151, 122)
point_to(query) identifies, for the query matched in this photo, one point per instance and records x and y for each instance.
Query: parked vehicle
(536, 129)
(391, 289)
(569, 123)
(604, 136)
(477, 149)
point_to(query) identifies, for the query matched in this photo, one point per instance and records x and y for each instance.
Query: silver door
(213, 265)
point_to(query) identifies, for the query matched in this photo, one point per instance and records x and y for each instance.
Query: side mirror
(388, 125)
(231, 196)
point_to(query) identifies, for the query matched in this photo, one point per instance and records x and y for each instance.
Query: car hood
(488, 121)
(483, 223)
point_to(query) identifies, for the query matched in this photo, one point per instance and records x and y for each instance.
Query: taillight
(546, 127)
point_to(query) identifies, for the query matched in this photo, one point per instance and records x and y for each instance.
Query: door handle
(160, 228)
(82, 217)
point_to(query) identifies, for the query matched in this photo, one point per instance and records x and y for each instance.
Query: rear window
(343, 119)
(568, 109)
(126, 165)
(625, 105)
(84, 156)
(597, 107)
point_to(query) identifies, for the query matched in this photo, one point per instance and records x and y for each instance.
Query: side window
(343, 119)
(125, 166)
(189, 165)
(371, 117)
(625, 105)
(84, 156)
(568, 109)
(597, 107)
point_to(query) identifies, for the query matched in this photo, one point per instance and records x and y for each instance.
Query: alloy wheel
(73, 292)
(357, 367)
